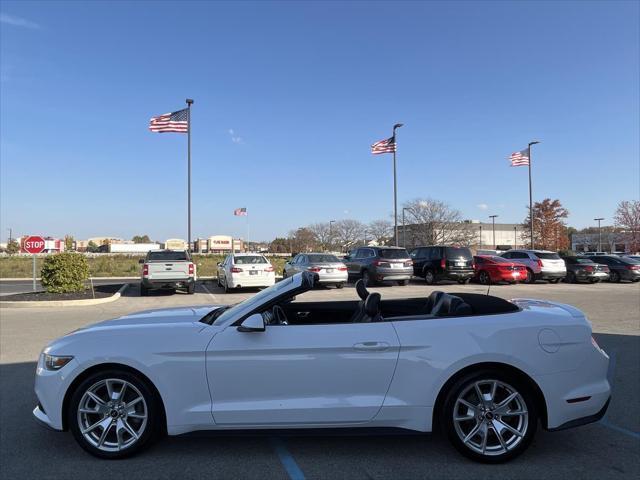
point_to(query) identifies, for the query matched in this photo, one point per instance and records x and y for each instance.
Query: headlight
(53, 362)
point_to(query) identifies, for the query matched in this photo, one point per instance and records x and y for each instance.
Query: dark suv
(380, 264)
(443, 263)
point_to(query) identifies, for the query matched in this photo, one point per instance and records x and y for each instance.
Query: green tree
(92, 247)
(64, 272)
(13, 247)
(141, 239)
(69, 243)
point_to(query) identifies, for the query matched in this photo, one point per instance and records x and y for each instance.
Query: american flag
(384, 146)
(240, 212)
(519, 159)
(171, 122)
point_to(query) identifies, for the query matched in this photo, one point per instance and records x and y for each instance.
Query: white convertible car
(485, 370)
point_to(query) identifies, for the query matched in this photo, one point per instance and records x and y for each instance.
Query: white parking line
(215, 299)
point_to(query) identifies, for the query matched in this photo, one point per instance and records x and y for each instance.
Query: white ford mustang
(485, 370)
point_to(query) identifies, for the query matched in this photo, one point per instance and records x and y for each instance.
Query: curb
(28, 279)
(64, 303)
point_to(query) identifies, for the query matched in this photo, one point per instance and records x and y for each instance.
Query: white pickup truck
(168, 269)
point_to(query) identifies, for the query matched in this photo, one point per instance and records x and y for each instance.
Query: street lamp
(515, 237)
(395, 186)
(599, 233)
(331, 222)
(493, 220)
(480, 247)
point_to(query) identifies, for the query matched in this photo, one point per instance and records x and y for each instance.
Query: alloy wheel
(112, 415)
(490, 417)
(484, 278)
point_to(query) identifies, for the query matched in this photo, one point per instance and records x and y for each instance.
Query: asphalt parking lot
(607, 449)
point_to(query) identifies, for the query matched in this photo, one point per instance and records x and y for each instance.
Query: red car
(493, 269)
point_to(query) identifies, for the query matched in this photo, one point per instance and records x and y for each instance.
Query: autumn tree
(549, 228)
(280, 245)
(627, 218)
(381, 231)
(302, 240)
(432, 222)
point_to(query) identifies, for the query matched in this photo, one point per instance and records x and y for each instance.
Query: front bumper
(41, 417)
(50, 387)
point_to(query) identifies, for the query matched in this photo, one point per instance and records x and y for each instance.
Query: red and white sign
(33, 244)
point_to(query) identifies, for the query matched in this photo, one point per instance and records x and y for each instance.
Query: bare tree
(381, 231)
(322, 234)
(627, 218)
(348, 232)
(302, 240)
(432, 222)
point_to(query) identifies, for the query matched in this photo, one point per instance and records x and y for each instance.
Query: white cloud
(17, 21)
(234, 138)
(482, 206)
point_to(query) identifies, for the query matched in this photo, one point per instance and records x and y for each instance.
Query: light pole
(404, 228)
(10, 235)
(515, 237)
(395, 186)
(480, 247)
(493, 228)
(599, 233)
(530, 194)
(331, 222)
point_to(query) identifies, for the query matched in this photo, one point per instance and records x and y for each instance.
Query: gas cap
(549, 340)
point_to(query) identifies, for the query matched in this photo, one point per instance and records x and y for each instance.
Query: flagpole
(189, 103)
(247, 247)
(395, 187)
(530, 195)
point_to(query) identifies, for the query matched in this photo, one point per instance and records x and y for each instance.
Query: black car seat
(450, 305)
(363, 293)
(372, 309)
(432, 301)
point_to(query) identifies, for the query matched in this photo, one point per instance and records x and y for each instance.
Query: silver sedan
(328, 267)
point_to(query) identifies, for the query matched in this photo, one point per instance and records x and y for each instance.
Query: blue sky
(288, 98)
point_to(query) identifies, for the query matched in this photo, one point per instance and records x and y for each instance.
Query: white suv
(541, 264)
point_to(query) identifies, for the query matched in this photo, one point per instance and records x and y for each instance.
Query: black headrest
(432, 300)
(361, 290)
(451, 305)
(372, 304)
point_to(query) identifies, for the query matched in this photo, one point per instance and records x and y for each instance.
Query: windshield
(455, 252)
(317, 258)
(167, 256)
(255, 300)
(547, 256)
(394, 253)
(249, 260)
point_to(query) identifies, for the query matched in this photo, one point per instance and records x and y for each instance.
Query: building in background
(507, 235)
(219, 244)
(129, 247)
(611, 242)
(175, 244)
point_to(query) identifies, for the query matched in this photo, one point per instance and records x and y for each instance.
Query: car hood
(160, 316)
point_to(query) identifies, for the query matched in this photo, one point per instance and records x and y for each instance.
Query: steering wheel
(280, 316)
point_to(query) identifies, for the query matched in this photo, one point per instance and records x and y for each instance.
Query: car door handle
(303, 314)
(371, 346)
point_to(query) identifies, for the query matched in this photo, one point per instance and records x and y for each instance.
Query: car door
(301, 374)
(221, 271)
(289, 267)
(353, 267)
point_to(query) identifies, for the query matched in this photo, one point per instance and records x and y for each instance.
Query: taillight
(634, 267)
(270, 269)
(540, 263)
(192, 269)
(145, 270)
(314, 269)
(236, 270)
(443, 263)
(408, 263)
(588, 268)
(342, 269)
(380, 263)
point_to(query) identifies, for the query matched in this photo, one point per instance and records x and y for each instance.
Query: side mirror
(347, 257)
(219, 263)
(141, 260)
(253, 323)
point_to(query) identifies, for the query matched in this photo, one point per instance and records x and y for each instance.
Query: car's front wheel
(484, 278)
(429, 277)
(490, 416)
(113, 414)
(614, 277)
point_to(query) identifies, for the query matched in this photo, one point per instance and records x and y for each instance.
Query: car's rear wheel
(490, 416)
(464, 281)
(571, 277)
(614, 277)
(144, 291)
(339, 285)
(366, 278)
(226, 286)
(403, 283)
(114, 414)
(191, 288)
(284, 274)
(530, 278)
(429, 277)
(554, 280)
(484, 278)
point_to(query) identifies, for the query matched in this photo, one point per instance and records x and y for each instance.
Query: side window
(479, 260)
(355, 253)
(370, 253)
(507, 255)
(520, 255)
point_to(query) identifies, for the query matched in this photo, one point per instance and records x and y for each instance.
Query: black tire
(339, 285)
(571, 277)
(144, 291)
(191, 288)
(218, 281)
(284, 274)
(594, 280)
(530, 278)
(430, 277)
(366, 278)
(614, 277)
(484, 278)
(403, 283)
(554, 280)
(226, 287)
(464, 281)
(528, 427)
(152, 429)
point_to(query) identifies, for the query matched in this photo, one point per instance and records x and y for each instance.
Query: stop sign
(33, 244)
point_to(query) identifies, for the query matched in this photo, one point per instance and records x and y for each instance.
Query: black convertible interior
(371, 308)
